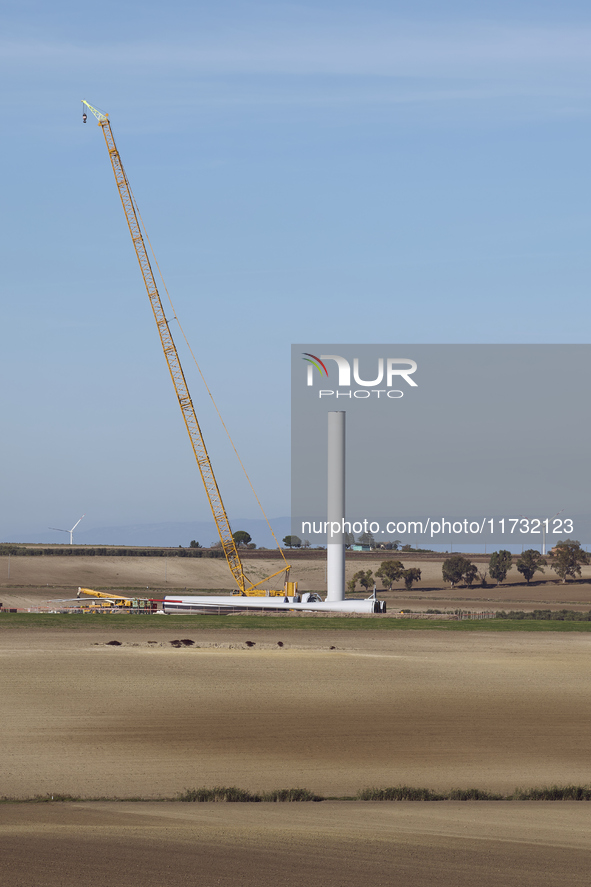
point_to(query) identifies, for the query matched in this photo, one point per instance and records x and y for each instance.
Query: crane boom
(103, 594)
(173, 361)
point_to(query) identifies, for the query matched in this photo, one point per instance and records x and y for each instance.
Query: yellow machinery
(118, 600)
(245, 586)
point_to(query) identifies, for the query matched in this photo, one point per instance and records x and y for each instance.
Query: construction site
(286, 595)
(424, 733)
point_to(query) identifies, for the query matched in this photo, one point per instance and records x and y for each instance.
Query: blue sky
(308, 172)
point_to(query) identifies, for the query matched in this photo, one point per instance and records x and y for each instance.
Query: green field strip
(114, 622)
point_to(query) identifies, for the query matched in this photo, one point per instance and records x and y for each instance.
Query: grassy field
(275, 623)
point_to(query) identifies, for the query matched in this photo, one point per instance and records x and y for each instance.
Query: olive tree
(413, 574)
(530, 562)
(499, 565)
(567, 559)
(456, 568)
(364, 577)
(470, 574)
(390, 572)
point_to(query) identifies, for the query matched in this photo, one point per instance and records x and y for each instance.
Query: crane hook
(84, 117)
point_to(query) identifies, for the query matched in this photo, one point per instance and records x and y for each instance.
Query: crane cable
(174, 314)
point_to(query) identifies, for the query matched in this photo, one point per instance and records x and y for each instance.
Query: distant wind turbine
(68, 531)
(545, 524)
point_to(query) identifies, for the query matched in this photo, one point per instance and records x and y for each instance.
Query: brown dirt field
(500, 844)
(422, 708)
(34, 580)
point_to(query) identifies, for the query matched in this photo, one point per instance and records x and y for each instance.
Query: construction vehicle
(244, 585)
(118, 600)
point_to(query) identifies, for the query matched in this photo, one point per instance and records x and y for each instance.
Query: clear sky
(308, 172)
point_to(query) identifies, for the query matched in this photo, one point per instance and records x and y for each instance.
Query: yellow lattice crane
(244, 584)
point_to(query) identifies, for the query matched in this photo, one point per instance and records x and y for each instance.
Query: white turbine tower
(67, 531)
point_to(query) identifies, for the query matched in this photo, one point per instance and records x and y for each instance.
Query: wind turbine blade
(59, 529)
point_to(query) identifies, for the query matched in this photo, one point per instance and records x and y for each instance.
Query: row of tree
(566, 559)
(389, 573)
(241, 538)
(349, 540)
(103, 551)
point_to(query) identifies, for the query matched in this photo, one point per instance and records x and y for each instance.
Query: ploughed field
(148, 719)
(320, 845)
(268, 709)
